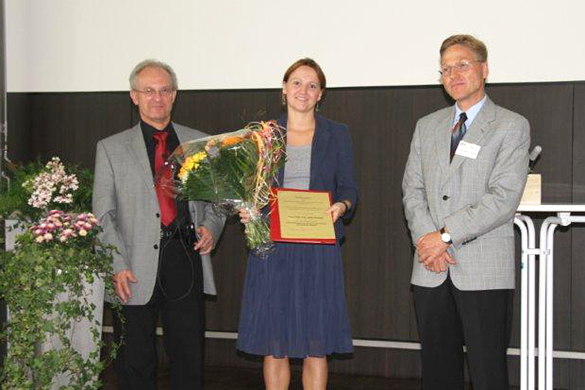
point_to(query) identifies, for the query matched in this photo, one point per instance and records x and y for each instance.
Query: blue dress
(293, 302)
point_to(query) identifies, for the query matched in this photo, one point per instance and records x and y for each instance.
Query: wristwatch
(445, 237)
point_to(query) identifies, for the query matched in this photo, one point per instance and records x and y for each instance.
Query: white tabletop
(551, 207)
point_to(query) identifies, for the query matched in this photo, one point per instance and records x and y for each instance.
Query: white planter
(80, 335)
(11, 231)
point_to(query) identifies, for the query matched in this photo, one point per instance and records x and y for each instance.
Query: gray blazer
(125, 202)
(475, 199)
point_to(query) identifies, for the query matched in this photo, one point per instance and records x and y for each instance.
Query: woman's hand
(245, 214)
(337, 210)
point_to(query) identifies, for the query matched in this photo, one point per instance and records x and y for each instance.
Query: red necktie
(164, 184)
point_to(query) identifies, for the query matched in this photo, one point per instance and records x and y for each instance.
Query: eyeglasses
(459, 67)
(151, 92)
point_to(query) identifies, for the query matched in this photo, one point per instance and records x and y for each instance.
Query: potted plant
(53, 281)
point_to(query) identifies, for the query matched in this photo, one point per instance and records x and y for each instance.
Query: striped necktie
(458, 133)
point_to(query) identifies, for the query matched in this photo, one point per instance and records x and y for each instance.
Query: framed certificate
(299, 216)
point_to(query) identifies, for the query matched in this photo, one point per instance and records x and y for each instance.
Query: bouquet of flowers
(234, 170)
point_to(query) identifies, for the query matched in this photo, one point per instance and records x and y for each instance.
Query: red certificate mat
(299, 212)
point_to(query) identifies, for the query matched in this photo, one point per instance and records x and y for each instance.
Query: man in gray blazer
(163, 262)
(462, 184)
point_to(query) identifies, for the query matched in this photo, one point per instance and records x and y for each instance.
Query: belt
(178, 233)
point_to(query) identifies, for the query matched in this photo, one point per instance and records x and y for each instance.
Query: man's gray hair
(151, 63)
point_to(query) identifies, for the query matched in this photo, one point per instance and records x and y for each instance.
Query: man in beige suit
(462, 184)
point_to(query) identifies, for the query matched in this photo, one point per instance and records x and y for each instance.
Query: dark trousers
(178, 297)
(447, 319)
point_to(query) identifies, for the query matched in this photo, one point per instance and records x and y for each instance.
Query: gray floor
(219, 378)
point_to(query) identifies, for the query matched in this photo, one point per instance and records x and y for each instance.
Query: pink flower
(52, 181)
(48, 237)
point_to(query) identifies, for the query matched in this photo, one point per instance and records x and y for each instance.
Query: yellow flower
(191, 163)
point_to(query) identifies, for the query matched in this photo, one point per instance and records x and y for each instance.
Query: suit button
(445, 197)
(155, 246)
(157, 215)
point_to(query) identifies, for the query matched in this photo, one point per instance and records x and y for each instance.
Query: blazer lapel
(318, 148)
(443, 144)
(282, 121)
(475, 133)
(137, 150)
(181, 134)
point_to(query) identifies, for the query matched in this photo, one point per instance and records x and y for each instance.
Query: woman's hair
(311, 64)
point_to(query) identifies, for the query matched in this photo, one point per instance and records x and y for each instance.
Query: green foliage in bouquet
(226, 171)
(56, 257)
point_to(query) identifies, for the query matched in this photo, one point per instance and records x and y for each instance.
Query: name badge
(467, 149)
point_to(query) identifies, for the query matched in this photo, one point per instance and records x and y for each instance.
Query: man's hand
(121, 281)
(439, 264)
(430, 246)
(205, 241)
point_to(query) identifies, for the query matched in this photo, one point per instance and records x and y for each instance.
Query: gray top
(297, 170)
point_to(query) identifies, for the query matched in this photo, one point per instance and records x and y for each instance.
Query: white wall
(91, 45)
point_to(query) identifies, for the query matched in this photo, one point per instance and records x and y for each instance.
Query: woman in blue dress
(293, 303)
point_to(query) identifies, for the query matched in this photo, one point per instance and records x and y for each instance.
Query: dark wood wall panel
(70, 124)
(549, 108)
(19, 127)
(377, 252)
(207, 109)
(381, 122)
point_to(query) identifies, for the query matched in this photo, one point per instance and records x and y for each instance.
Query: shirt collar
(471, 112)
(149, 131)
